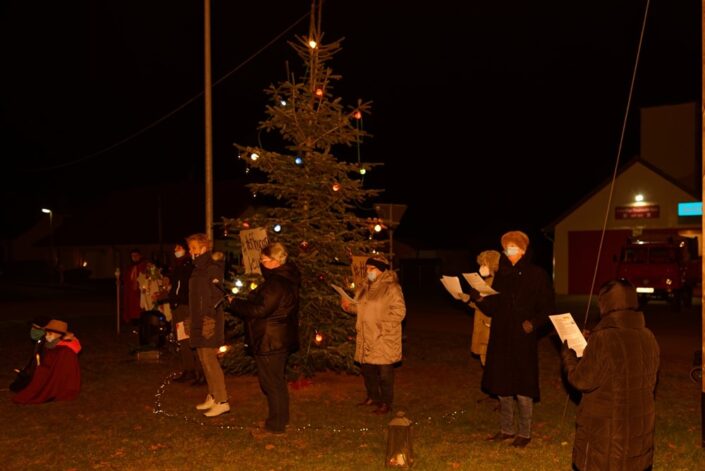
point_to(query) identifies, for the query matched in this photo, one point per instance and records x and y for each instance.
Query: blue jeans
(506, 413)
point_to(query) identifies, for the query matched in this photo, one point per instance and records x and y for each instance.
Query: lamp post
(51, 234)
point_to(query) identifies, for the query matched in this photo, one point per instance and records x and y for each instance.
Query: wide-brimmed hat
(57, 326)
(378, 261)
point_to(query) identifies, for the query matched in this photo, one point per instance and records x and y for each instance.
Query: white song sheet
(342, 292)
(476, 281)
(568, 330)
(452, 284)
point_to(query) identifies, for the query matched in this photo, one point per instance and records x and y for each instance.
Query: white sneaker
(210, 402)
(218, 409)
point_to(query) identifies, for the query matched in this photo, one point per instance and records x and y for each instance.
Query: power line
(172, 112)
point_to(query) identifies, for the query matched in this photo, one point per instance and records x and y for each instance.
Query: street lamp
(51, 233)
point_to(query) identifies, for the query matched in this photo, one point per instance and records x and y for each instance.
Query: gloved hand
(475, 295)
(463, 297)
(527, 326)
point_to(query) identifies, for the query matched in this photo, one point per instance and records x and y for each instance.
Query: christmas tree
(313, 187)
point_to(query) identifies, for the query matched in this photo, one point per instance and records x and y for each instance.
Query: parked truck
(666, 268)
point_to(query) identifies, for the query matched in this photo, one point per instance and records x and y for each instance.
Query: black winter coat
(207, 321)
(179, 276)
(271, 312)
(525, 293)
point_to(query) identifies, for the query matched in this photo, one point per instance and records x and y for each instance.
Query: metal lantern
(400, 453)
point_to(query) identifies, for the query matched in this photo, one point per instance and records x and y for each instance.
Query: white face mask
(484, 271)
(179, 253)
(372, 275)
(511, 251)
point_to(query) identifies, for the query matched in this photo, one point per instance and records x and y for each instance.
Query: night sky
(516, 91)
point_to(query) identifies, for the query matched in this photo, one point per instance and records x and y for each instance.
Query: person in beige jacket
(380, 308)
(488, 262)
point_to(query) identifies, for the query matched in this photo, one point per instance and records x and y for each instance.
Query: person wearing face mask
(488, 262)
(58, 375)
(524, 302)
(380, 308)
(617, 376)
(207, 321)
(179, 275)
(271, 315)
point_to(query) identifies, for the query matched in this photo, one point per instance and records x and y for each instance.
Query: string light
(336, 186)
(298, 160)
(277, 228)
(318, 338)
(282, 102)
(363, 171)
(254, 156)
(319, 92)
(158, 409)
(357, 115)
(312, 44)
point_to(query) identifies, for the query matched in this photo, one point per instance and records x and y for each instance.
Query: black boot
(185, 376)
(199, 379)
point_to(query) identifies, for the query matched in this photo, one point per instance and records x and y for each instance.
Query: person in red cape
(131, 289)
(58, 376)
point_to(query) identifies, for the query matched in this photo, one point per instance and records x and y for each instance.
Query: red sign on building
(648, 211)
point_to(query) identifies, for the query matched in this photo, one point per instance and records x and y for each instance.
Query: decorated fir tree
(313, 197)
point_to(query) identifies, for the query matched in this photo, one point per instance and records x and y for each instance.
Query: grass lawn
(129, 416)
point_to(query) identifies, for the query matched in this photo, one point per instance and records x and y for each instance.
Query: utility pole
(208, 117)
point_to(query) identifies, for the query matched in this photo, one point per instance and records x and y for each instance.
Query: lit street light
(51, 234)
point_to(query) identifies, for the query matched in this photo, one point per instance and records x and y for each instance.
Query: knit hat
(378, 261)
(517, 237)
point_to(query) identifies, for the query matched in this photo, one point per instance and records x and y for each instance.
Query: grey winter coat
(617, 376)
(380, 309)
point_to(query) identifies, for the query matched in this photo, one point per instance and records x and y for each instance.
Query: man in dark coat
(617, 376)
(207, 321)
(179, 275)
(271, 315)
(523, 304)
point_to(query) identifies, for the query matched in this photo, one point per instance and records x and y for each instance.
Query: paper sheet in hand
(476, 281)
(452, 284)
(181, 331)
(342, 292)
(568, 330)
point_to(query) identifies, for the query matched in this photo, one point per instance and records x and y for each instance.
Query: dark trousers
(271, 371)
(379, 382)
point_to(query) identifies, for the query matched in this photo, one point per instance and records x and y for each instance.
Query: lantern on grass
(400, 453)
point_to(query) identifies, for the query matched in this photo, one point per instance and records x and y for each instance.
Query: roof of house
(636, 160)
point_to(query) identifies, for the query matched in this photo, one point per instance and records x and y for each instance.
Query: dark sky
(516, 91)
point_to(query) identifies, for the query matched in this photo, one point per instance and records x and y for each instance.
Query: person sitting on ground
(58, 376)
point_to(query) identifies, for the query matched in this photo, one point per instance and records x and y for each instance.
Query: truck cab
(667, 269)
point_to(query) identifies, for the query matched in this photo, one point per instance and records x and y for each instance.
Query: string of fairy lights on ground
(158, 409)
